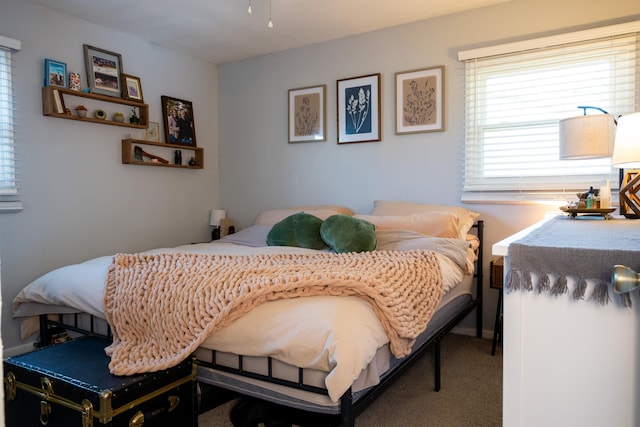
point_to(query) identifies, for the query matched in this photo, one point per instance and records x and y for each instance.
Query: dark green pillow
(301, 230)
(344, 233)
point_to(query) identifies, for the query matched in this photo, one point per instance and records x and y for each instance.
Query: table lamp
(217, 215)
(626, 155)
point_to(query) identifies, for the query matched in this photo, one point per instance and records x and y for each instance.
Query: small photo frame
(132, 88)
(359, 109)
(153, 132)
(179, 125)
(104, 69)
(55, 73)
(307, 114)
(420, 101)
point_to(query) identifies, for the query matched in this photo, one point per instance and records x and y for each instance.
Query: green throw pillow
(301, 230)
(344, 233)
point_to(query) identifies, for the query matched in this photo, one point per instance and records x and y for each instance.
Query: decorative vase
(118, 118)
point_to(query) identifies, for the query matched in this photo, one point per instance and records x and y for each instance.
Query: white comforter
(305, 332)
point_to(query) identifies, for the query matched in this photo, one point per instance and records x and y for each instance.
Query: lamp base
(629, 200)
(215, 233)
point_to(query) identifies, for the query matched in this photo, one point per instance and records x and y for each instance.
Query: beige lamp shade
(587, 137)
(626, 154)
(217, 215)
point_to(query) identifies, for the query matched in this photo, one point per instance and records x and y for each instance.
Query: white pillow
(466, 218)
(437, 224)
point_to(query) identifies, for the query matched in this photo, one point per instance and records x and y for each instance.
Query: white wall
(79, 200)
(260, 170)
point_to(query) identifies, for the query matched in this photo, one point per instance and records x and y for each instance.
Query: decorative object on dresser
(70, 384)
(626, 154)
(103, 71)
(420, 101)
(217, 215)
(359, 117)
(307, 114)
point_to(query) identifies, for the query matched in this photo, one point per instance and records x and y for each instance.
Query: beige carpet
(471, 393)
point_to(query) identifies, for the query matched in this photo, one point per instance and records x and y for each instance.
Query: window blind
(516, 94)
(8, 165)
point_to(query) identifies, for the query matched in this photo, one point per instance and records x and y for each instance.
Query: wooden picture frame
(104, 69)
(152, 133)
(359, 116)
(179, 124)
(132, 88)
(420, 101)
(55, 73)
(307, 114)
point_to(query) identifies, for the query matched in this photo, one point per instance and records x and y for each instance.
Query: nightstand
(496, 272)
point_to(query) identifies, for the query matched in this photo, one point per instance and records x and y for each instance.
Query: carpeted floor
(471, 393)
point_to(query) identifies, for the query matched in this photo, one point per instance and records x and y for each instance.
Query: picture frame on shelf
(359, 115)
(55, 73)
(179, 123)
(307, 114)
(132, 88)
(104, 69)
(153, 132)
(420, 101)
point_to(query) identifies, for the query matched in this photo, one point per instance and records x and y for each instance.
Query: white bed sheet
(304, 332)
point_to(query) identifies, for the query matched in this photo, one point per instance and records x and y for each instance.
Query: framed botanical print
(307, 114)
(359, 109)
(420, 101)
(104, 69)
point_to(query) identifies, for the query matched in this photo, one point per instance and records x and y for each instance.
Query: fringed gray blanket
(583, 249)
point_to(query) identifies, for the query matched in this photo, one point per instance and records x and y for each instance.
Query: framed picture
(307, 114)
(359, 109)
(55, 73)
(420, 101)
(132, 88)
(153, 132)
(103, 71)
(179, 125)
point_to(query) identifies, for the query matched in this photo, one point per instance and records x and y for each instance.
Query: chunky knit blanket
(161, 307)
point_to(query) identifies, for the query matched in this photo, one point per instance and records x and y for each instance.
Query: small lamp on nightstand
(626, 154)
(217, 215)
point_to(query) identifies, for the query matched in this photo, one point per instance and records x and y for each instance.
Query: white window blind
(9, 200)
(516, 94)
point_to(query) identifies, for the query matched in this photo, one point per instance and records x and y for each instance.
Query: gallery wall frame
(420, 100)
(55, 73)
(132, 88)
(308, 114)
(359, 112)
(179, 123)
(104, 69)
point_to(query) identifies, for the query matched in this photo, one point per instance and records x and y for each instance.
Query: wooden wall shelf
(51, 107)
(166, 151)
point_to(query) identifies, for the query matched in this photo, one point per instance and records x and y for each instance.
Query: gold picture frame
(132, 88)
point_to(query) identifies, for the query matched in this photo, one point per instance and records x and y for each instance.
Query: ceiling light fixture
(250, 11)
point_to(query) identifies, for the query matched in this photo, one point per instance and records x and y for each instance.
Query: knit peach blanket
(161, 307)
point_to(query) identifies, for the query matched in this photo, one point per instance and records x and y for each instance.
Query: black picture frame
(174, 112)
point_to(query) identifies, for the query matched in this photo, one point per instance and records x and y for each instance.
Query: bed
(323, 343)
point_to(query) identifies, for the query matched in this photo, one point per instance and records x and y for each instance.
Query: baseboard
(486, 334)
(18, 350)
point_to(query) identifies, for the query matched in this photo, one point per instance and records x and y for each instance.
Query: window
(8, 170)
(515, 95)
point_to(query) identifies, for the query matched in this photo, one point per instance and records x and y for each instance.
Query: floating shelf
(53, 105)
(162, 150)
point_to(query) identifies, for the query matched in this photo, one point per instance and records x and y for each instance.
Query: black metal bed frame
(349, 409)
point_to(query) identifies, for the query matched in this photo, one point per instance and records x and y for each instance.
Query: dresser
(571, 362)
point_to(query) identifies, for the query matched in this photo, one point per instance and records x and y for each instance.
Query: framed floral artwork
(132, 88)
(307, 114)
(359, 109)
(420, 101)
